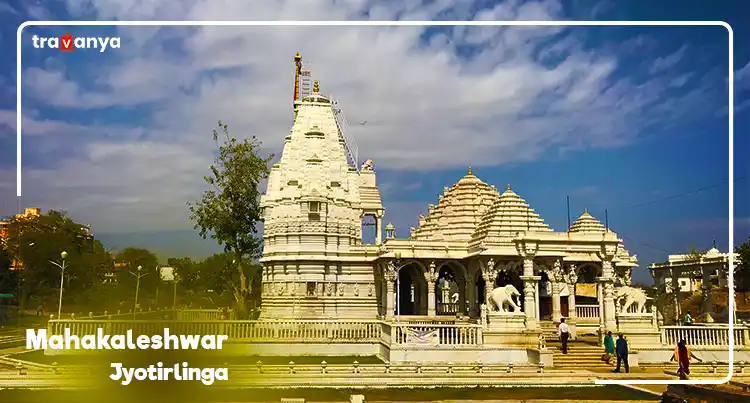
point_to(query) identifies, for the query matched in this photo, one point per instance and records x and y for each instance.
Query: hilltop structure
(473, 240)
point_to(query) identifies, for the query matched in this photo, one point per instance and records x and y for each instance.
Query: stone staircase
(581, 355)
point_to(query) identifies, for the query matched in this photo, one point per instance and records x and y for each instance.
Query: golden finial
(316, 86)
(509, 186)
(297, 57)
(470, 171)
(585, 211)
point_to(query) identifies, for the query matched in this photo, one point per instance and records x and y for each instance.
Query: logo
(69, 43)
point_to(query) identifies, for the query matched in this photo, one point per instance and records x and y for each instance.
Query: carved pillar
(572, 279)
(390, 303)
(469, 295)
(610, 322)
(530, 283)
(600, 301)
(556, 277)
(489, 274)
(706, 285)
(431, 276)
(675, 296)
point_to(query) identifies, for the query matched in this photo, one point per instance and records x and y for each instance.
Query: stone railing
(204, 314)
(442, 334)
(298, 331)
(587, 313)
(447, 308)
(704, 336)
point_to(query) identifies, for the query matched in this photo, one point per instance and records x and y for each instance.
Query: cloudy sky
(632, 120)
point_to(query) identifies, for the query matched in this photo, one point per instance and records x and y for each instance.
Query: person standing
(621, 349)
(609, 348)
(687, 320)
(683, 354)
(564, 332)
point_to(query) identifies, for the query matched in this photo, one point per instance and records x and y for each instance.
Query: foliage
(230, 210)
(742, 271)
(37, 240)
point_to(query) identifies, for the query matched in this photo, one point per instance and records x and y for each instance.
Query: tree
(126, 277)
(34, 241)
(742, 270)
(230, 210)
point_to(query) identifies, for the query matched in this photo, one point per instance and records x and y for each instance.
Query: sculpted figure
(367, 166)
(632, 296)
(501, 296)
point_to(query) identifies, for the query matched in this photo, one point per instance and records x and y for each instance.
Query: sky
(631, 121)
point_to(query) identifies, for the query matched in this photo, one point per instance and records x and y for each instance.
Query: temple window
(310, 289)
(314, 211)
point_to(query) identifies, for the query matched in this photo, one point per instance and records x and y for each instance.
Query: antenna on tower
(567, 198)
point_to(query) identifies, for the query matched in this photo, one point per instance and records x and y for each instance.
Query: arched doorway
(411, 295)
(450, 289)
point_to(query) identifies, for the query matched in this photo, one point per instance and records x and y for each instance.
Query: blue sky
(628, 119)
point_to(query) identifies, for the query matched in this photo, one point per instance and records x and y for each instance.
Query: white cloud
(426, 107)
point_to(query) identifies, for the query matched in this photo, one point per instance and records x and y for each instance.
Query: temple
(474, 240)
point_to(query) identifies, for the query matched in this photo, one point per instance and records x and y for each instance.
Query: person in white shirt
(564, 335)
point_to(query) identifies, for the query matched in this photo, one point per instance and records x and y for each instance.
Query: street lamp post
(62, 265)
(137, 287)
(174, 298)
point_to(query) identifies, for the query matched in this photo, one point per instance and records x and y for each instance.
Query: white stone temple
(474, 240)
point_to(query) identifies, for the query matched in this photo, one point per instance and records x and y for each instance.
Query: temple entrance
(447, 292)
(411, 291)
(545, 297)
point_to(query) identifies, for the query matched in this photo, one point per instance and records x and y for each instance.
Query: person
(564, 335)
(687, 320)
(683, 354)
(609, 347)
(622, 354)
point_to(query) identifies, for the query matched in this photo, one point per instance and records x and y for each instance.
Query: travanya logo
(68, 43)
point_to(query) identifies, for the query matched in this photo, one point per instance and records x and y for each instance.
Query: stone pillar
(556, 308)
(556, 277)
(600, 301)
(572, 279)
(530, 284)
(431, 276)
(610, 323)
(489, 274)
(470, 296)
(708, 306)
(379, 228)
(675, 295)
(390, 303)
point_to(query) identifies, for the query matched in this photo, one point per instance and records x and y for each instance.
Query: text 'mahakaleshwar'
(39, 340)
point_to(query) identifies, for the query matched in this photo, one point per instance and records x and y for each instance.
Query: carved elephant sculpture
(502, 296)
(632, 296)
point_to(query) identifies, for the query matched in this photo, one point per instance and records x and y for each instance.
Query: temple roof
(459, 210)
(588, 224)
(509, 215)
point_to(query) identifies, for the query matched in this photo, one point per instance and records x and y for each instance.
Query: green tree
(742, 270)
(230, 210)
(37, 240)
(126, 277)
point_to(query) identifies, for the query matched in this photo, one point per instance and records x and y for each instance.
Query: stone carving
(483, 314)
(341, 289)
(367, 166)
(501, 296)
(356, 289)
(633, 296)
(555, 272)
(370, 289)
(431, 274)
(329, 289)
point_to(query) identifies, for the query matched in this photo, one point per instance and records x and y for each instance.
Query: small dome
(389, 226)
(713, 252)
(586, 223)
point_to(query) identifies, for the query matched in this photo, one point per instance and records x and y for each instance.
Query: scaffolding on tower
(350, 145)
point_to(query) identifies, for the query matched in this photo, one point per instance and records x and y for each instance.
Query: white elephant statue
(501, 296)
(632, 296)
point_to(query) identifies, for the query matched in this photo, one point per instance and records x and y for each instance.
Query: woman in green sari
(609, 348)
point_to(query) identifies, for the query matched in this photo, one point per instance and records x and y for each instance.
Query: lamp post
(174, 298)
(62, 265)
(138, 277)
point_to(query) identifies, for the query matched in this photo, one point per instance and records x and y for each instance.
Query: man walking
(564, 335)
(621, 348)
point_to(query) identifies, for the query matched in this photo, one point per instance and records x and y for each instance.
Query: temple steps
(580, 355)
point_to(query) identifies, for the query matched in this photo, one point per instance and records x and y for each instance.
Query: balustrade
(454, 335)
(705, 336)
(587, 313)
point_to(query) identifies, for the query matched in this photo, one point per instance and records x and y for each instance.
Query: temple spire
(316, 86)
(470, 171)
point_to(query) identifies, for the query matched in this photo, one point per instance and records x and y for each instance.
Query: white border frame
(729, 29)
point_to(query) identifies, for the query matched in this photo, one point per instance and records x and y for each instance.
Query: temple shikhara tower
(474, 241)
(315, 263)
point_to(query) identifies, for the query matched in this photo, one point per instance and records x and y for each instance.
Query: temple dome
(509, 215)
(458, 211)
(586, 223)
